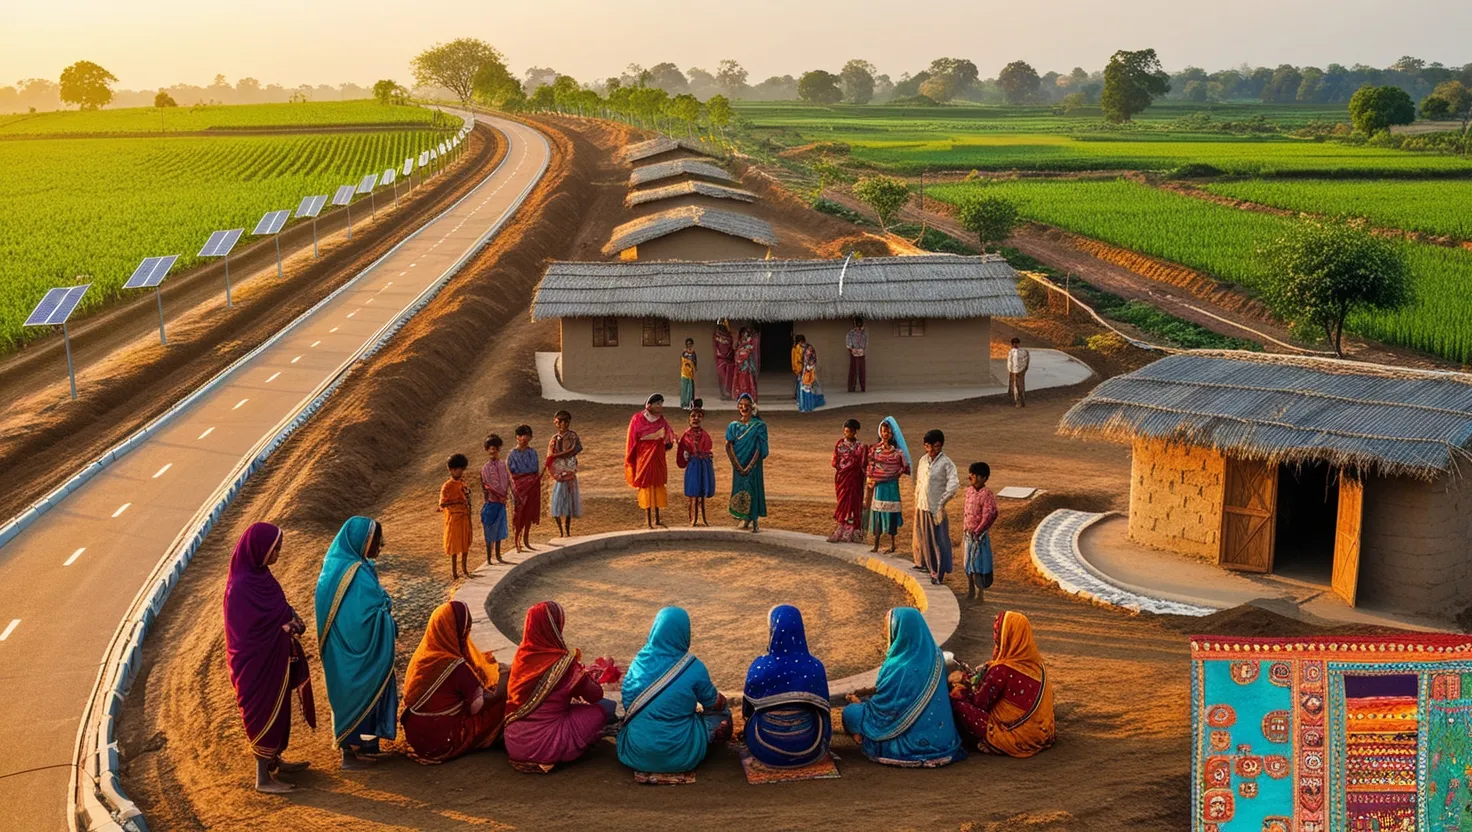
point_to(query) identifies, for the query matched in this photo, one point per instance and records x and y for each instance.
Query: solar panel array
(150, 272)
(57, 306)
(344, 195)
(442, 148)
(433, 154)
(221, 242)
(423, 158)
(368, 184)
(311, 206)
(408, 166)
(271, 223)
(388, 176)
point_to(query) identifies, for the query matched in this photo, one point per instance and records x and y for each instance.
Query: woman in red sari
(451, 704)
(649, 439)
(748, 364)
(544, 726)
(265, 658)
(725, 352)
(850, 468)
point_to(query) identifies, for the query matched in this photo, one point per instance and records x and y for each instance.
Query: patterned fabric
(785, 701)
(1331, 734)
(749, 441)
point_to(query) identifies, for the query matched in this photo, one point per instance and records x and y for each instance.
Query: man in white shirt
(936, 483)
(1017, 359)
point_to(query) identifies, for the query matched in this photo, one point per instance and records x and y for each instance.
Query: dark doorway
(1308, 514)
(777, 347)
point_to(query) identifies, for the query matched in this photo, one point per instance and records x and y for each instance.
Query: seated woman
(662, 731)
(452, 705)
(1007, 707)
(544, 726)
(788, 723)
(907, 722)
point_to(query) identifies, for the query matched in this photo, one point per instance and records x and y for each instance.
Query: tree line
(42, 94)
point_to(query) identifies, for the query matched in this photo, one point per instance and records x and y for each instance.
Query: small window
(914, 328)
(605, 332)
(656, 332)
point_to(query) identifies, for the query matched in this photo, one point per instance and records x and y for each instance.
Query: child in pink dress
(981, 513)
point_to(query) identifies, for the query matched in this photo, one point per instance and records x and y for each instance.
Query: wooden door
(1346, 578)
(1249, 514)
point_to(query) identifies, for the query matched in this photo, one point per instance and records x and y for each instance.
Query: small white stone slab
(1017, 492)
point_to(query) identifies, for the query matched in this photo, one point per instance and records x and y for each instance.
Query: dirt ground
(608, 596)
(463, 368)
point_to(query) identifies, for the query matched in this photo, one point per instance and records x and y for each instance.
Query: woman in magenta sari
(725, 352)
(265, 658)
(544, 726)
(748, 354)
(850, 468)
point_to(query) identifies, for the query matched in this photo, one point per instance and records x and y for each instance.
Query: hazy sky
(152, 43)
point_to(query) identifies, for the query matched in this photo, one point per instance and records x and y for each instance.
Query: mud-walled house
(1347, 474)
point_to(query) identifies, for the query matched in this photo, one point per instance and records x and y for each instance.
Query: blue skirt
(493, 521)
(700, 478)
(880, 520)
(979, 557)
(380, 723)
(566, 502)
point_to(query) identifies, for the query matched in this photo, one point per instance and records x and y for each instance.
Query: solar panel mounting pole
(395, 183)
(228, 303)
(349, 209)
(158, 294)
(372, 206)
(71, 371)
(314, 237)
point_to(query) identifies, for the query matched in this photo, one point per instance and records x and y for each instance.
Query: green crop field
(1224, 242)
(789, 115)
(94, 207)
(241, 117)
(1436, 207)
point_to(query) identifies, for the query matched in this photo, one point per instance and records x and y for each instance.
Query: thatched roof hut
(688, 189)
(640, 151)
(635, 233)
(679, 167)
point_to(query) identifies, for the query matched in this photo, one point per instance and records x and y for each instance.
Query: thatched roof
(688, 188)
(664, 144)
(654, 226)
(879, 288)
(1290, 409)
(678, 167)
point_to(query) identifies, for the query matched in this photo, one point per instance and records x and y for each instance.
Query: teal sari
(908, 720)
(748, 491)
(662, 732)
(356, 632)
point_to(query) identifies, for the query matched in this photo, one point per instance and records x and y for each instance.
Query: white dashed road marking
(315, 343)
(73, 559)
(207, 432)
(240, 404)
(122, 508)
(14, 622)
(273, 377)
(330, 331)
(294, 360)
(161, 471)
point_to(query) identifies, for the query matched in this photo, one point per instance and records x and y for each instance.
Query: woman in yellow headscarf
(451, 703)
(1007, 706)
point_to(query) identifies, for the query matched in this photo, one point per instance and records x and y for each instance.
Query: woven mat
(758, 773)
(650, 778)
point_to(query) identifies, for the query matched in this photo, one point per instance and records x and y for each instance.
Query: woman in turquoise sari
(356, 632)
(746, 447)
(908, 721)
(662, 733)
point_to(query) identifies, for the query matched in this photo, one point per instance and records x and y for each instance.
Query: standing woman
(451, 706)
(908, 721)
(788, 723)
(809, 391)
(889, 459)
(265, 658)
(850, 463)
(743, 383)
(725, 353)
(646, 468)
(356, 632)
(544, 726)
(746, 448)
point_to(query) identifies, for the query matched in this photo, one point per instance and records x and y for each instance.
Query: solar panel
(311, 206)
(150, 272)
(408, 166)
(368, 184)
(57, 306)
(221, 242)
(442, 148)
(433, 155)
(424, 158)
(271, 223)
(344, 195)
(388, 177)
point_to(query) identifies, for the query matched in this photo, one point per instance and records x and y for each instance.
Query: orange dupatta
(445, 646)
(1013, 729)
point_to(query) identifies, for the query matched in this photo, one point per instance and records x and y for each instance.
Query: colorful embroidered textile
(758, 773)
(785, 702)
(1331, 734)
(725, 353)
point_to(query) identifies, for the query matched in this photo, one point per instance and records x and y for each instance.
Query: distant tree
(1282, 87)
(1408, 65)
(819, 87)
(883, 88)
(454, 65)
(731, 78)
(701, 82)
(885, 194)
(1198, 91)
(86, 85)
(543, 98)
(1311, 88)
(649, 104)
(1073, 102)
(947, 78)
(1324, 271)
(1372, 109)
(909, 85)
(669, 78)
(1132, 80)
(857, 79)
(828, 172)
(1019, 82)
(685, 108)
(718, 109)
(384, 91)
(536, 76)
(495, 86)
(1450, 100)
(991, 218)
(163, 99)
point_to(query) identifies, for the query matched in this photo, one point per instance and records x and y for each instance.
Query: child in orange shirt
(455, 504)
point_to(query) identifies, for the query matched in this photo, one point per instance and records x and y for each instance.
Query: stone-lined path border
(1055, 553)
(937, 603)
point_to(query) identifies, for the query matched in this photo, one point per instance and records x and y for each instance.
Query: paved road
(70, 578)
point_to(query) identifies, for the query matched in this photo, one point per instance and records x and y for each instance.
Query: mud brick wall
(1176, 497)
(1416, 545)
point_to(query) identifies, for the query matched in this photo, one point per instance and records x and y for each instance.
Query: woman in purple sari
(265, 658)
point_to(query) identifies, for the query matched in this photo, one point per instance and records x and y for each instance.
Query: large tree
(857, 79)
(991, 218)
(454, 65)
(1324, 271)
(1132, 80)
(1372, 109)
(819, 87)
(885, 194)
(86, 85)
(669, 78)
(1019, 82)
(1450, 100)
(731, 77)
(495, 86)
(947, 78)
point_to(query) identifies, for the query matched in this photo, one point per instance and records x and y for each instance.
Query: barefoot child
(687, 374)
(981, 513)
(455, 505)
(696, 457)
(562, 465)
(526, 484)
(495, 484)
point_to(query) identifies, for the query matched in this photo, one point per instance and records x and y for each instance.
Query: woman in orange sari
(646, 466)
(1007, 706)
(544, 726)
(452, 706)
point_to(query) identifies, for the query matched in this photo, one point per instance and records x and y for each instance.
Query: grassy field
(89, 209)
(1224, 241)
(780, 115)
(242, 117)
(1438, 207)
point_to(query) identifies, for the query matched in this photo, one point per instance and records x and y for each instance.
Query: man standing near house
(1017, 360)
(857, 343)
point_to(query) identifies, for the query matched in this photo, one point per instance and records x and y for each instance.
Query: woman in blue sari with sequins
(908, 720)
(662, 732)
(788, 723)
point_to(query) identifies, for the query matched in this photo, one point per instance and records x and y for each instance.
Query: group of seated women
(551, 710)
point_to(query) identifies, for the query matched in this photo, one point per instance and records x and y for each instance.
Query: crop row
(1435, 207)
(1224, 242)
(239, 117)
